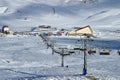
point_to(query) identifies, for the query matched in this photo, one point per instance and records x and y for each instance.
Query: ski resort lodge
(87, 31)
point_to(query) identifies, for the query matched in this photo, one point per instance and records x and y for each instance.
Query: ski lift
(76, 48)
(71, 51)
(105, 49)
(104, 52)
(65, 54)
(65, 51)
(81, 49)
(92, 50)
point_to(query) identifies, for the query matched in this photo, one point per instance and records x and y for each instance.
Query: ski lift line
(98, 43)
(55, 50)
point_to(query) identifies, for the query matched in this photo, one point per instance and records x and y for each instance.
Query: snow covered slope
(27, 58)
(22, 15)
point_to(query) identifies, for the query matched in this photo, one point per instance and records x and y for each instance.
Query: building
(83, 31)
(6, 30)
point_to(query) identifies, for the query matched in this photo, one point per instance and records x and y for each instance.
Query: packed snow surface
(27, 57)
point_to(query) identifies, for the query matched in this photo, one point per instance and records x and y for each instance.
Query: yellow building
(83, 31)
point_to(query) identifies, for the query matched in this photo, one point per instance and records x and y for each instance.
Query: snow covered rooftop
(2, 9)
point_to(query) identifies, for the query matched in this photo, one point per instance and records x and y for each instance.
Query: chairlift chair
(66, 54)
(104, 52)
(63, 54)
(71, 51)
(105, 49)
(81, 49)
(76, 48)
(91, 51)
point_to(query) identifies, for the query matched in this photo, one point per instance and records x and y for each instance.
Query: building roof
(87, 31)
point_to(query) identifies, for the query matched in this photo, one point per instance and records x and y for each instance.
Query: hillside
(22, 15)
(35, 56)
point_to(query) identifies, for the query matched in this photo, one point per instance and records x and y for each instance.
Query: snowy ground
(27, 57)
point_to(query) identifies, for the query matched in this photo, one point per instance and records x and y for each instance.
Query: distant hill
(21, 15)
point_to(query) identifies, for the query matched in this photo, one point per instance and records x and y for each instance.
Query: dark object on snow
(43, 26)
(5, 29)
(105, 52)
(119, 52)
(67, 66)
